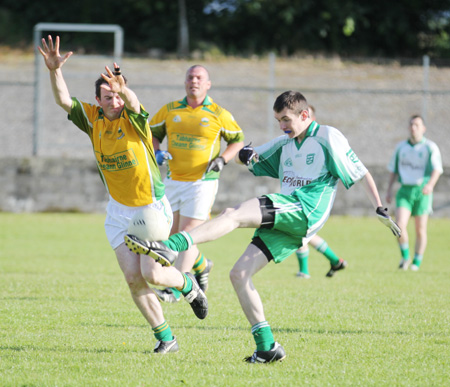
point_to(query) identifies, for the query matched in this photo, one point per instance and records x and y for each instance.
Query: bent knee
(237, 276)
(153, 277)
(227, 211)
(135, 282)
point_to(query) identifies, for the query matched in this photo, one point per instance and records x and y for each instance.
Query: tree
(183, 30)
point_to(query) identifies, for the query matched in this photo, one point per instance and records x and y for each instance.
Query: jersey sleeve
(158, 123)
(83, 114)
(139, 121)
(231, 131)
(268, 163)
(435, 159)
(341, 161)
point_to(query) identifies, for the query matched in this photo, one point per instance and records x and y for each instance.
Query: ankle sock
(179, 242)
(163, 332)
(262, 333)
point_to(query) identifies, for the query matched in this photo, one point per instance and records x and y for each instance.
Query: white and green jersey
(310, 170)
(414, 162)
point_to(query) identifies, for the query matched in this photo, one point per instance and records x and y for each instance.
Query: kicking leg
(244, 215)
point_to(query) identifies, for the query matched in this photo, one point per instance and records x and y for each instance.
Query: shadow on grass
(28, 348)
(277, 330)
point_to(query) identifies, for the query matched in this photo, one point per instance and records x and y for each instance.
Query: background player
(118, 126)
(194, 127)
(417, 165)
(312, 157)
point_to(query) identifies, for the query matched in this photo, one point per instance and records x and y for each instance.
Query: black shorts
(268, 219)
(267, 212)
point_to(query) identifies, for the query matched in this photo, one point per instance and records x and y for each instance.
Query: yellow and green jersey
(123, 151)
(193, 137)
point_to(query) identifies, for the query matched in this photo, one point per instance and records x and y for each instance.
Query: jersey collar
(420, 142)
(206, 102)
(101, 114)
(312, 129)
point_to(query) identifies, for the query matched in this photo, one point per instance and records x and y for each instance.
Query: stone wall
(40, 184)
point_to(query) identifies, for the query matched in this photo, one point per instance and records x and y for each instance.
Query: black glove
(216, 165)
(247, 154)
(384, 218)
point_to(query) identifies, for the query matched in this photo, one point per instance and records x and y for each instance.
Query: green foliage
(66, 316)
(344, 27)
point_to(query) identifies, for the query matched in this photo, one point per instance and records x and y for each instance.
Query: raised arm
(117, 85)
(54, 61)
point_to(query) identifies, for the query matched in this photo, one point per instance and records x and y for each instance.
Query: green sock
(179, 242)
(187, 287)
(263, 336)
(404, 249)
(176, 293)
(199, 264)
(417, 259)
(302, 257)
(328, 253)
(163, 332)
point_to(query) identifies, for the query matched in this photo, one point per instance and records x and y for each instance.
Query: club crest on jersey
(177, 118)
(204, 122)
(310, 158)
(288, 162)
(121, 134)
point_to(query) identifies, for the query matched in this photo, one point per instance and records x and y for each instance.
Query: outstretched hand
(52, 57)
(115, 80)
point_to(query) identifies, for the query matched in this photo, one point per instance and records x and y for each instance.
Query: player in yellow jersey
(194, 128)
(122, 142)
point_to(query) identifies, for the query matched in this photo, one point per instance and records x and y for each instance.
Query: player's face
(197, 83)
(291, 123)
(110, 102)
(417, 129)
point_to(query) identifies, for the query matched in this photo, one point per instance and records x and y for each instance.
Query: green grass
(67, 319)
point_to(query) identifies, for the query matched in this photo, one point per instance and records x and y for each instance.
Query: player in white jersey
(417, 165)
(308, 160)
(318, 243)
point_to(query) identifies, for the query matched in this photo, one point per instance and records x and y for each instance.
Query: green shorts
(289, 228)
(412, 198)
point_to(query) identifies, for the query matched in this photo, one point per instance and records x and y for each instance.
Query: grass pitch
(67, 319)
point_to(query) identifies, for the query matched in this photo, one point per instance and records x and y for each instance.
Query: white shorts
(194, 199)
(118, 218)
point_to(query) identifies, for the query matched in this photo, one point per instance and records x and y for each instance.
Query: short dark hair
(101, 81)
(414, 116)
(292, 100)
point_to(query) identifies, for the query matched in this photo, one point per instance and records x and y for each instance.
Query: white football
(150, 225)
